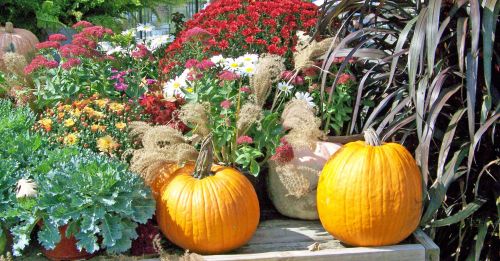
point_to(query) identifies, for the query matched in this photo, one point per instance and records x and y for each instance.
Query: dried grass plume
(306, 56)
(196, 114)
(268, 71)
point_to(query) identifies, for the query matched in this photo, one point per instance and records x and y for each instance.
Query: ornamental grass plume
(304, 126)
(162, 145)
(250, 113)
(269, 70)
(26, 188)
(307, 55)
(304, 131)
(15, 63)
(196, 115)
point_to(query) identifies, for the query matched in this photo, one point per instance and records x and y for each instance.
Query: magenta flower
(245, 89)
(70, 50)
(228, 76)
(57, 37)
(205, 65)
(120, 86)
(48, 45)
(197, 33)
(150, 81)
(82, 24)
(191, 63)
(40, 62)
(226, 104)
(244, 140)
(70, 63)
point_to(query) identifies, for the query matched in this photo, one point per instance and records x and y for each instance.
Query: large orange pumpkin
(369, 193)
(206, 208)
(16, 40)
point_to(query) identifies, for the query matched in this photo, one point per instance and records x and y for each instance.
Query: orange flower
(116, 107)
(46, 124)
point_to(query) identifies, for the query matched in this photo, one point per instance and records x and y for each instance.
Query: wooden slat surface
(287, 239)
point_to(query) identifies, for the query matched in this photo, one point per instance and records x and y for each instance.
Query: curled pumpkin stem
(205, 159)
(371, 137)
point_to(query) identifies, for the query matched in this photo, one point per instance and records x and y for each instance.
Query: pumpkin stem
(371, 137)
(205, 159)
(9, 27)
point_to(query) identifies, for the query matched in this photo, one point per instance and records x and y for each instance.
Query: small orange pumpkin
(207, 208)
(16, 40)
(369, 193)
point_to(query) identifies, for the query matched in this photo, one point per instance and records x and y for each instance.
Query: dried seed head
(306, 56)
(304, 126)
(249, 114)
(14, 63)
(158, 137)
(196, 115)
(268, 71)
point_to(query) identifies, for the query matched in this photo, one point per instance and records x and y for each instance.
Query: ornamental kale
(94, 196)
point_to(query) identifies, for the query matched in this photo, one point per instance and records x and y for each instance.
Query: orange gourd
(16, 40)
(207, 208)
(370, 194)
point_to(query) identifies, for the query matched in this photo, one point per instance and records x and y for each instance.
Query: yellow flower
(101, 102)
(116, 107)
(98, 115)
(67, 107)
(120, 125)
(76, 113)
(89, 111)
(46, 123)
(70, 139)
(69, 123)
(190, 89)
(107, 144)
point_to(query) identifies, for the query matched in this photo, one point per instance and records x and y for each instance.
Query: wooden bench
(287, 239)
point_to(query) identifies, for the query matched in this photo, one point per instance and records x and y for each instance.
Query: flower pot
(66, 249)
(302, 177)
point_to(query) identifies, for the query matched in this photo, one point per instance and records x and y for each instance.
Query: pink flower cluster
(290, 76)
(141, 52)
(40, 62)
(284, 153)
(48, 45)
(57, 37)
(244, 140)
(120, 84)
(203, 65)
(70, 63)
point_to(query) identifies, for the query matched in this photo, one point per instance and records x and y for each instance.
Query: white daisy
(116, 49)
(145, 27)
(249, 58)
(218, 59)
(160, 41)
(285, 87)
(232, 65)
(247, 70)
(131, 32)
(174, 87)
(305, 96)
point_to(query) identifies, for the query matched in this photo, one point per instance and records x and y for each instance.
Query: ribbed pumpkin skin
(212, 215)
(164, 176)
(22, 40)
(370, 195)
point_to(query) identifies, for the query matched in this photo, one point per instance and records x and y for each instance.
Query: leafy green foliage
(434, 93)
(39, 15)
(93, 195)
(86, 191)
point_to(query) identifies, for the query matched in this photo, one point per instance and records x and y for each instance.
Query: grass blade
(416, 47)
(377, 110)
(471, 72)
(403, 35)
(460, 215)
(447, 140)
(461, 35)
(490, 14)
(432, 38)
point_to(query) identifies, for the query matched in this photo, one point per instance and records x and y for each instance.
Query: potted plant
(84, 202)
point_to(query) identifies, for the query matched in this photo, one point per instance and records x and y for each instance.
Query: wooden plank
(287, 239)
(398, 252)
(431, 249)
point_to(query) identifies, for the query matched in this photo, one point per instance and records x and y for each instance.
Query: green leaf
(143, 209)
(461, 215)
(125, 242)
(254, 168)
(49, 235)
(87, 241)
(111, 230)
